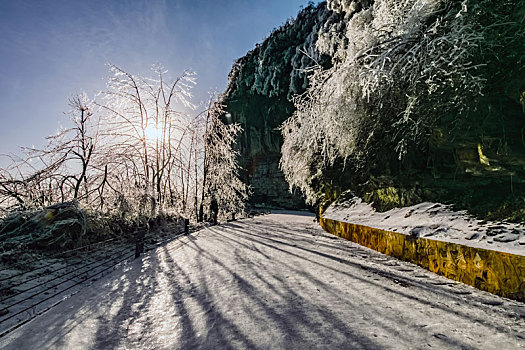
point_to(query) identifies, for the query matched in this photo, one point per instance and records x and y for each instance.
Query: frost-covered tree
(399, 68)
(84, 142)
(144, 132)
(56, 172)
(224, 194)
(134, 152)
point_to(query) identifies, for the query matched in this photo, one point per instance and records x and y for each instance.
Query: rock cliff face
(430, 98)
(259, 97)
(402, 102)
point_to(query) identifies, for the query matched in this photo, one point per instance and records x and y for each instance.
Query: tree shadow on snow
(250, 286)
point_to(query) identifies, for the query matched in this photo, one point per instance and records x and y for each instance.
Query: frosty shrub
(59, 226)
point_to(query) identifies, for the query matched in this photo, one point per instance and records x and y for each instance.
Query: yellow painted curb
(489, 270)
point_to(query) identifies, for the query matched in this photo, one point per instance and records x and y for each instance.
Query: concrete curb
(489, 270)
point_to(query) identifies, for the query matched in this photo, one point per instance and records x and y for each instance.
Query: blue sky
(51, 49)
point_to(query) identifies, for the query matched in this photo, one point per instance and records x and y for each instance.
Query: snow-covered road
(274, 282)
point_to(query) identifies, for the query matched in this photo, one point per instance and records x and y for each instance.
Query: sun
(153, 133)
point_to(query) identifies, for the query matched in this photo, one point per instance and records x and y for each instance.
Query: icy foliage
(342, 5)
(135, 152)
(401, 65)
(308, 141)
(222, 186)
(151, 140)
(58, 226)
(277, 67)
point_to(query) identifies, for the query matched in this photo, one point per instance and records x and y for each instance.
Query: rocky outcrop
(422, 100)
(259, 97)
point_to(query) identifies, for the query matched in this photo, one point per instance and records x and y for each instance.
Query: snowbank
(434, 221)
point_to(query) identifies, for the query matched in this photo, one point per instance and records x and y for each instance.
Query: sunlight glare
(153, 133)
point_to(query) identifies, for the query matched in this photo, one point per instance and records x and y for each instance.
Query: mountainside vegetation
(399, 102)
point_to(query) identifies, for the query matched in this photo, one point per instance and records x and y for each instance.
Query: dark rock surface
(474, 160)
(258, 96)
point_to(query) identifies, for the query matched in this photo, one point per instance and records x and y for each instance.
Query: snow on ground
(434, 221)
(32, 281)
(274, 282)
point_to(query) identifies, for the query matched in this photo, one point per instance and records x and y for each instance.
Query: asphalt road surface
(273, 282)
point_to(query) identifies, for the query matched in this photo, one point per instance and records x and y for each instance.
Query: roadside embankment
(493, 271)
